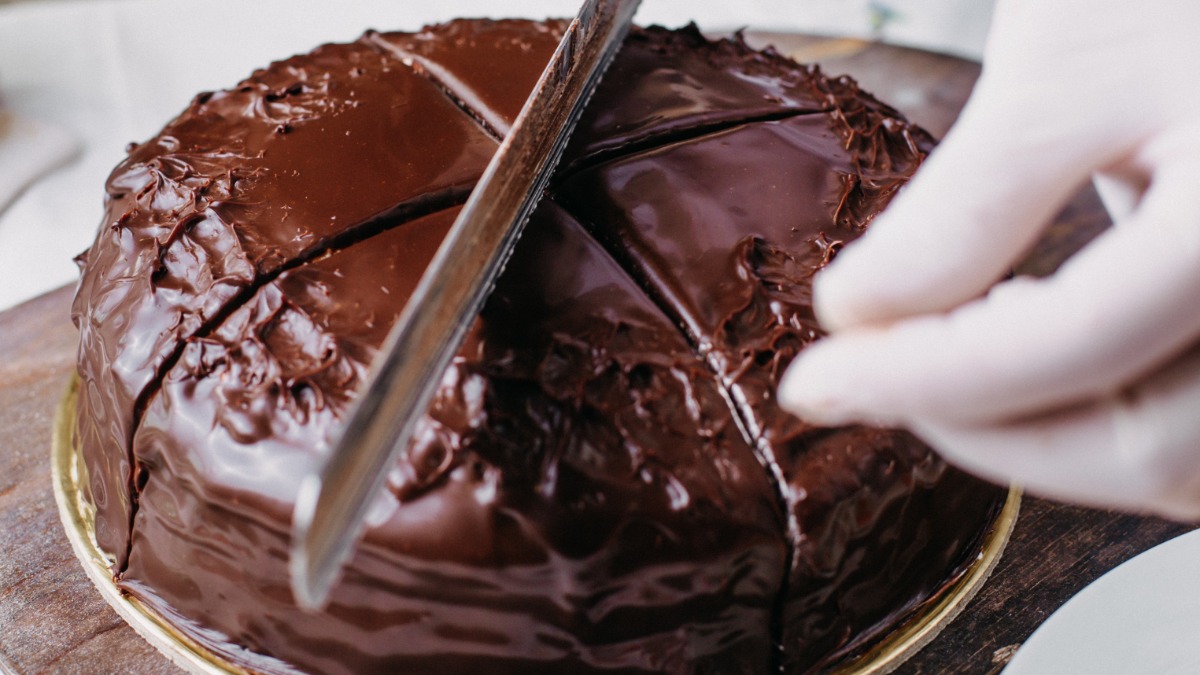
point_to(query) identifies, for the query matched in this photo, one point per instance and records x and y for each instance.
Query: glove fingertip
(834, 307)
(801, 392)
(862, 290)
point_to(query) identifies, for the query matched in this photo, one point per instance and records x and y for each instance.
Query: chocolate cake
(604, 481)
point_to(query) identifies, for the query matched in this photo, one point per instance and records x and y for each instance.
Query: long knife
(331, 506)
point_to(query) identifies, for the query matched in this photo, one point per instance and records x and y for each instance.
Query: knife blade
(332, 505)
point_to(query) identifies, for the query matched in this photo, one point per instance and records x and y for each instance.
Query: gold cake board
(78, 519)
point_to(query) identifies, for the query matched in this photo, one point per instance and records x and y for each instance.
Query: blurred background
(104, 73)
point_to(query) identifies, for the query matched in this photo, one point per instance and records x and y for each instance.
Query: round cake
(604, 481)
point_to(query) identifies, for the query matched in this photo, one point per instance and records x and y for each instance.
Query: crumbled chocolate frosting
(604, 481)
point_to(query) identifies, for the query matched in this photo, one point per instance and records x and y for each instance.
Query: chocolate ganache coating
(604, 481)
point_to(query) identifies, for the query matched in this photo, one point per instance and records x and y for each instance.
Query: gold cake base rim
(78, 519)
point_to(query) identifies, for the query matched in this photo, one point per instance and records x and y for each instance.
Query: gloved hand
(1085, 385)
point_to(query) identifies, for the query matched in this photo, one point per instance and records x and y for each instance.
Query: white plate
(1142, 617)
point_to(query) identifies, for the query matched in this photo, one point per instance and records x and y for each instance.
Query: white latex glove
(28, 150)
(1079, 386)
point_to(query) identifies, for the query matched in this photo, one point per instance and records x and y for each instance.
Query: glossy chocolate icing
(489, 66)
(232, 190)
(604, 481)
(725, 232)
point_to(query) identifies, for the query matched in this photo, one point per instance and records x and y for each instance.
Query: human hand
(1085, 385)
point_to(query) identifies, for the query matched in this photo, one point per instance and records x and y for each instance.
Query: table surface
(53, 620)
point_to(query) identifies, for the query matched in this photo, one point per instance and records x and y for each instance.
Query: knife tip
(311, 574)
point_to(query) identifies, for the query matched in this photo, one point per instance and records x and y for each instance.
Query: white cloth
(115, 71)
(28, 150)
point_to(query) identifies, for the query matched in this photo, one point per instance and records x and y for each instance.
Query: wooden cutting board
(53, 621)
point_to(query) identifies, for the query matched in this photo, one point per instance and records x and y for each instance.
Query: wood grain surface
(51, 618)
(53, 621)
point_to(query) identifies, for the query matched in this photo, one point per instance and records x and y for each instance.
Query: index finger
(1122, 306)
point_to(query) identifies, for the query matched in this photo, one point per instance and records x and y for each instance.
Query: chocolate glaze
(579, 496)
(725, 232)
(488, 66)
(604, 481)
(667, 83)
(242, 183)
